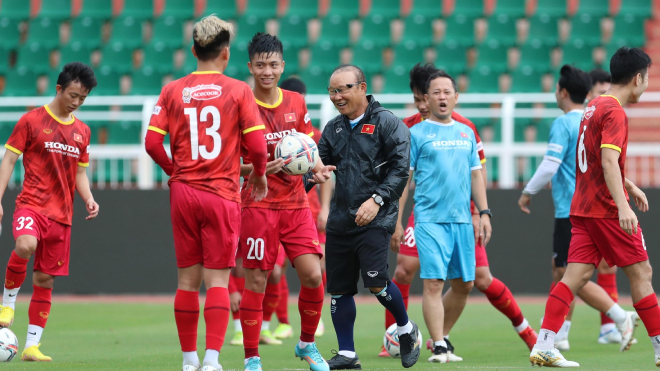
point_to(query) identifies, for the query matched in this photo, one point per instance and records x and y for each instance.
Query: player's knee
(433, 287)
(43, 280)
(312, 279)
(463, 288)
(25, 247)
(483, 282)
(403, 275)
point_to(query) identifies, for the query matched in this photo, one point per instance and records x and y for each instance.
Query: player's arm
(397, 236)
(82, 185)
(326, 196)
(637, 194)
(6, 169)
(153, 144)
(479, 197)
(612, 174)
(272, 167)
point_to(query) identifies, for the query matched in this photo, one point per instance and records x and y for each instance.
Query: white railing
(128, 166)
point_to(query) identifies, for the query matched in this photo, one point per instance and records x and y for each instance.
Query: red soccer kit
(594, 215)
(52, 151)
(205, 114)
(284, 215)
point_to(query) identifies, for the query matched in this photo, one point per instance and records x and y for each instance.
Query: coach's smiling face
(348, 96)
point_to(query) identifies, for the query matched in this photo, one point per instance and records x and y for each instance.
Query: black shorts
(561, 241)
(348, 255)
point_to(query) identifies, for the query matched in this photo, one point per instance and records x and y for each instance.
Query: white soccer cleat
(550, 358)
(627, 330)
(440, 355)
(610, 337)
(563, 345)
(451, 357)
(657, 360)
(209, 367)
(189, 366)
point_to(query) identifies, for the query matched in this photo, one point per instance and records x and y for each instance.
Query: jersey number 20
(201, 150)
(582, 153)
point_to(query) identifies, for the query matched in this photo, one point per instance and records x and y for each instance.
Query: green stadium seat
(585, 28)
(578, 54)
(315, 79)
(86, 31)
(159, 56)
(20, 82)
(125, 132)
(293, 31)
(427, 8)
(325, 55)
(6, 128)
(181, 9)
(45, 32)
(138, 9)
(552, 8)
(117, 57)
(10, 32)
(545, 28)
(291, 59)
(640, 8)
(526, 80)
(451, 57)
(4, 60)
(190, 65)
(368, 56)
(225, 9)
(494, 55)
(629, 30)
(262, 8)
(127, 31)
(305, 9)
(519, 126)
(397, 80)
(237, 67)
(108, 81)
(469, 8)
(483, 80)
(55, 9)
(407, 55)
(376, 29)
(75, 52)
(97, 9)
(543, 129)
(34, 57)
(15, 9)
(418, 28)
(147, 81)
(248, 25)
(111, 167)
(459, 28)
(502, 28)
(335, 29)
(535, 54)
(344, 8)
(595, 8)
(388, 9)
(169, 31)
(512, 8)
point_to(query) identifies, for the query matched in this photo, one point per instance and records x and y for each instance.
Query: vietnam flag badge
(464, 135)
(290, 117)
(78, 138)
(368, 129)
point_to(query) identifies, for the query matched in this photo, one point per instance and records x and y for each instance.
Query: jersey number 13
(201, 150)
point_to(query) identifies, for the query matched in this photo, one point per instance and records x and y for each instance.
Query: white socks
(9, 297)
(522, 327)
(347, 353)
(303, 344)
(440, 343)
(604, 329)
(265, 325)
(400, 330)
(33, 335)
(563, 331)
(212, 357)
(237, 326)
(616, 313)
(655, 340)
(546, 340)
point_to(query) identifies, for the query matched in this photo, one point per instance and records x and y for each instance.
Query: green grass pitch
(96, 336)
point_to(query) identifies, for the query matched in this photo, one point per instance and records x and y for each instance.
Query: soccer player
(282, 217)
(604, 225)
(408, 259)
(209, 117)
(55, 149)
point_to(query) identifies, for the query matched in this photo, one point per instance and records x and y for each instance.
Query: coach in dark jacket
(371, 149)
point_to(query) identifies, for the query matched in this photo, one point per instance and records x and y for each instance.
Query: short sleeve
(475, 161)
(559, 142)
(84, 155)
(159, 121)
(414, 151)
(20, 136)
(614, 129)
(248, 112)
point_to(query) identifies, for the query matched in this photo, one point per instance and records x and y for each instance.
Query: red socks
(216, 316)
(405, 292)
(271, 299)
(16, 270)
(501, 298)
(310, 304)
(557, 307)
(649, 312)
(282, 305)
(39, 306)
(251, 317)
(186, 315)
(608, 283)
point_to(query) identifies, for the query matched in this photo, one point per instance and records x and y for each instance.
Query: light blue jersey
(443, 157)
(561, 149)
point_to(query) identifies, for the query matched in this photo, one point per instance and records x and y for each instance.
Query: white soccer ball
(391, 341)
(8, 345)
(299, 153)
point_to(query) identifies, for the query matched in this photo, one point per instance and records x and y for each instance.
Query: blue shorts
(446, 250)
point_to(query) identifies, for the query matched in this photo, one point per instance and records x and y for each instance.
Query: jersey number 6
(212, 131)
(582, 153)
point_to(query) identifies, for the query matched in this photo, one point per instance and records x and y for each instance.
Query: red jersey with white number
(206, 114)
(604, 125)
(287, 115)
(52, 150)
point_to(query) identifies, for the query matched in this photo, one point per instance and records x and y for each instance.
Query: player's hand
(235, 301)
(323, 175)
(92, 209)
(367, 212)
(274, 166)
(628, 220)
(322, 219)
(397, 236)
(259, 186)
(476, 222)
(2, 212)
(523, 203)
(639, 197)
(485, 230)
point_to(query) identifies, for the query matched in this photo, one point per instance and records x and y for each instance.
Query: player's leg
(216, 315)
(406, 268)
(320, 330)
(186, 313)
(434, 314)
(606, 278)
(645, 301)
(38, 312)
(284, 329)
(271, 300)
(237, 278)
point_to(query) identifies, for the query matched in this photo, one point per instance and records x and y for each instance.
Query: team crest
(464, 135)
(368, 129)
(9, 283)
(250, 322)
(186, 95)
(315, 242)
(589, 111)
(290, 117)
(201, 92)
(77, 138)
(48, 131)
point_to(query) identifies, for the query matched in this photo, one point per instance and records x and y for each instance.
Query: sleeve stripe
(157, 130)
(611, 146)
(311, 134)
(473, 168)
(13, 149)
(83, 164)
(483, 160)
(254, 128)
(553, 159)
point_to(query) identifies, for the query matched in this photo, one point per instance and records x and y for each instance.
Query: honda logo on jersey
(62, 149)
(201, 92)
(275, 137)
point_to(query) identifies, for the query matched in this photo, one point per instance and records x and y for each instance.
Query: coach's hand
(523, 203)
(235, 301)
(397, 236)
(639, 197)
(476, 223)
(92, 209)
(628, 219)
(367, 212)
(274, 166)
(259, 186)
(485, 229)
(323, 175)
(2, 212)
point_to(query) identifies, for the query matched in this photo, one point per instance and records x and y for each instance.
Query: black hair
(263, 43)
(599, 76)
(626, 63)
(77, 72)
(437, 74)
(211, 50)
(359, 74)
(576, 82)
(294, 84)
(419, 75)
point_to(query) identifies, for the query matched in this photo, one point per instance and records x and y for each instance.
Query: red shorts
(206, 227)
(281, 257)
(262, 231)
(596, 238)
(54, 240)
(409, 247)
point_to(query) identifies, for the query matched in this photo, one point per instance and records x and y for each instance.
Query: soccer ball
(8, 345)
(391, 341)
(299, 153)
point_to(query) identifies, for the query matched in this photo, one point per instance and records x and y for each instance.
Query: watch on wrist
(378, 199)
(486, 212)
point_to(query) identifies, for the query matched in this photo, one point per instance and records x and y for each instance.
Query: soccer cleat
(409, 345)
(237, 339)
(189, 366)
(339, 362)
(610, 337)
(311, 354)
(529, 337)
(6, 316)
(562, 345)
(266, 337)
(550, 358)
(33, 354)
(627, 330)
(439, 355)
(320, 329)
(657, 360)
(429, 344)
(283, 331)
(383, 352)
(209, 367)
(253, 364)
(451, 357)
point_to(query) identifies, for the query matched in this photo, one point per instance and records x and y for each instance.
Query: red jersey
(604, 125)
(313, 195)
(206, 114)
(52, 151)
(287, 115)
